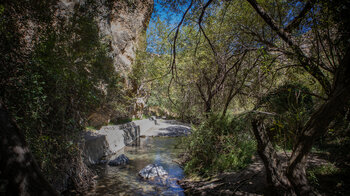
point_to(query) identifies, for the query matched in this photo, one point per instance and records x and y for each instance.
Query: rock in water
(120, 160)
(152, 170)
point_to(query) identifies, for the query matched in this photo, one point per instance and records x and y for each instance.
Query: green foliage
(289, 97)
(139, 71)
(198, 67)
(51, 90)
(218, 145)
(292, 104)
(231, 28)
(330, 179)
(323, 170)
(2, 9)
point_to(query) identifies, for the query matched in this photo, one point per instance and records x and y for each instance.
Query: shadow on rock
(175, 131)
(175, 122)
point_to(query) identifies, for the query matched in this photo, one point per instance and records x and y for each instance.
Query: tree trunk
(276, 179)
(230, 96)
(208, 107)
(20, 174)
(293, 179)
(318, 124)
(227, 103)
(339, 94)
(225, 110)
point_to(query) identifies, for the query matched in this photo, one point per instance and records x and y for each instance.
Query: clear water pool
(124, 180)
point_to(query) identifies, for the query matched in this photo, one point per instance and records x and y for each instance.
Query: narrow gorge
(174, 97)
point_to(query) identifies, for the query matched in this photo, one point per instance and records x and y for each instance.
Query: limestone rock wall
(121, 24)
(129, 19)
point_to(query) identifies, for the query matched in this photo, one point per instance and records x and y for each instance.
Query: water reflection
(124, 180)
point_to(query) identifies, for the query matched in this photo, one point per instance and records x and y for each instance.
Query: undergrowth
(219, 145)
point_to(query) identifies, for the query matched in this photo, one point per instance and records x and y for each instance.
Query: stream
(124, 180)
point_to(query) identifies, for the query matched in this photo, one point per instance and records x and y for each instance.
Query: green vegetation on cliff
(51, 88)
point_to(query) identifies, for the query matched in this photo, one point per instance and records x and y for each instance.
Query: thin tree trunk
(19, 171)
(207, 102)
(207, 108)
(228, 101)
(225, 110)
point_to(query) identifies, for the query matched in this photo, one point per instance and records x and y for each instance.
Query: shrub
(292, 104)
(219, 145)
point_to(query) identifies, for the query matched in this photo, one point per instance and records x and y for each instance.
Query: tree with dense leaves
(311, 35)
(292, 180)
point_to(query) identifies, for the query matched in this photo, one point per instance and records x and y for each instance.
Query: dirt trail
(249, 181)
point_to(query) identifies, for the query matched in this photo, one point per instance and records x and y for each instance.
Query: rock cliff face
(128, 22)
(63, 47)
(121, 25)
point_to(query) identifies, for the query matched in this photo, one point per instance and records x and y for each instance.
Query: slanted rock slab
(120, 160)
(152, 171)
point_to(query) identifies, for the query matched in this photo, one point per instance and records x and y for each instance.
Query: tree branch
(201, 28)
(173, 64)
(305, 61)
(297, 20)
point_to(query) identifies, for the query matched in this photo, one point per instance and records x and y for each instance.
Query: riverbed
(124, 180)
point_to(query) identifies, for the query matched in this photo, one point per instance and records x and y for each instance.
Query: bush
(219, 145)
(293, 105)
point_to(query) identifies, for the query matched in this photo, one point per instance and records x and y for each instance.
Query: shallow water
(124, 180)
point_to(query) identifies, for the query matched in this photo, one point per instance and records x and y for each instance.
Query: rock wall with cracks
(121, 24)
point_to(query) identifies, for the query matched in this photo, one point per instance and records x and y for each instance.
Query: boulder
(120, 160)
(152, 171)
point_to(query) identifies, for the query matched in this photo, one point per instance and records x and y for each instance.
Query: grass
(322, 170)
(143, 117)
(90, 128)
(329, 179)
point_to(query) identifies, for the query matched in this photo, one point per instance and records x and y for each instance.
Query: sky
(166, 15)
(172, 18)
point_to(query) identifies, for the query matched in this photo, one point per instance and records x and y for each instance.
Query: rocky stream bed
(146, 166)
